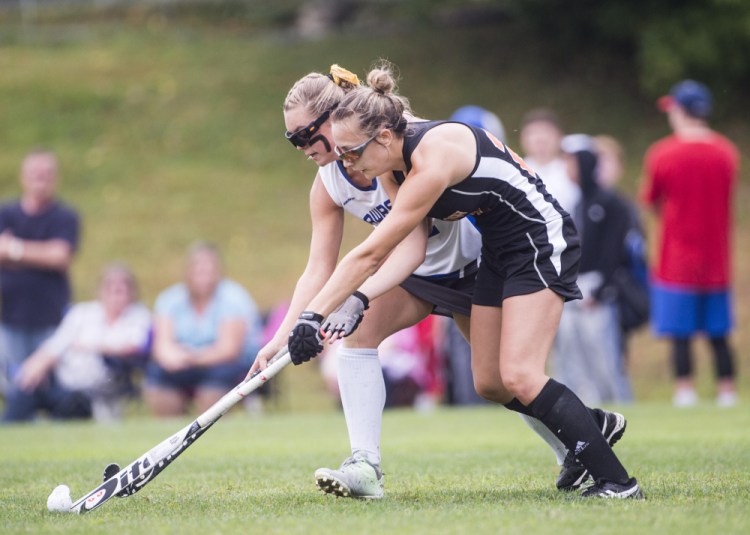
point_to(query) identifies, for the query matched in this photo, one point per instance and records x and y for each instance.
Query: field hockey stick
(145, 468)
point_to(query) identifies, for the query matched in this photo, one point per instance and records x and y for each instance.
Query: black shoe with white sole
(609, 489)
(573, 474)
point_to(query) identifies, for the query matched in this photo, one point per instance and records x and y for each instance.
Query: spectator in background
(588, 347)
(541, 134)
(631, 278)
(205, 332)
(689, 180)
(611, 161)
(84, 368)
(38, 239)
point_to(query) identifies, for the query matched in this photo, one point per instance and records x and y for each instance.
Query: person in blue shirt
(204, 330)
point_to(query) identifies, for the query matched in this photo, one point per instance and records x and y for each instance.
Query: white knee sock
(362, 392)
(558, 448)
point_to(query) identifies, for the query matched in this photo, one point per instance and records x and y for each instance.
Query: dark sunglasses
(355, 153)
(302, 137)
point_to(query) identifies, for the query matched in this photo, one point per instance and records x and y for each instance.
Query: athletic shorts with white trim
(449, 293)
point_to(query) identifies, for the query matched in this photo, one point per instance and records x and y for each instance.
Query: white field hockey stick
(145, 468)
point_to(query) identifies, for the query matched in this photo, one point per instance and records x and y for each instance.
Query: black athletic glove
(346, 318)
(305, 340)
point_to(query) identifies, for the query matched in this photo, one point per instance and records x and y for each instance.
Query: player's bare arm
(325, 244)
(445, 152)
(402, 262)
(431, 174)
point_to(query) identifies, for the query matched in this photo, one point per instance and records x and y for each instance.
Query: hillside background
(167, 120)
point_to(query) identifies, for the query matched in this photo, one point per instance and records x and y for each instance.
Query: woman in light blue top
(203, 330)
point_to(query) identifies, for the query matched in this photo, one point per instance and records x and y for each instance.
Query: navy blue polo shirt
(35, 297)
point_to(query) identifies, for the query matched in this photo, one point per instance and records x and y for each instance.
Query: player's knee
(362, 342)
(489, 390)
(369, 334)
(518, 381)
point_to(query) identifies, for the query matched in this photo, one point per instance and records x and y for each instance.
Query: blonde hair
(120, 268)
(376, 106)
(318, 93)
(200, 247)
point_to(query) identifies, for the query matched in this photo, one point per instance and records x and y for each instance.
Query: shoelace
(348, 461)
(354, 460)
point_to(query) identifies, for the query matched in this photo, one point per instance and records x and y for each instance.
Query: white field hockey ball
(60, 500)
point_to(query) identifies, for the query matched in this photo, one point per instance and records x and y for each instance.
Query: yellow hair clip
(340, 74)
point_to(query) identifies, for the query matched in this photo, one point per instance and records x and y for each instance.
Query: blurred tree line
(658, 42)
(661, 41)
(664, 41)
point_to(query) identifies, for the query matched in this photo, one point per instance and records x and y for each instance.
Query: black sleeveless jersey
(528, 240)
(500, 183)
(507, 199)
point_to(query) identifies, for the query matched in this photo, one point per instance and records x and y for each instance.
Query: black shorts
(529, 264)
(448, 294)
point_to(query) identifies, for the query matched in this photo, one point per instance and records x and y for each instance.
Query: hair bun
(381, 81)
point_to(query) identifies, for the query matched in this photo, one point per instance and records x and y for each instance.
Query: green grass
(451, 471)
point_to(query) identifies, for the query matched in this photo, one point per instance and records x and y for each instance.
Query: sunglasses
(302, 137)
(355, 153)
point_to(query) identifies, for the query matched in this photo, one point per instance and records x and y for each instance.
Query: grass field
(450, 471)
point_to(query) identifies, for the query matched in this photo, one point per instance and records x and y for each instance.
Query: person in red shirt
(689, 178)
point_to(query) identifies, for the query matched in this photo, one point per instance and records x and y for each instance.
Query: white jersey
(451, 246)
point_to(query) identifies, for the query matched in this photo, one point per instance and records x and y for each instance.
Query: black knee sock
(564, 414)
(683, 363)
(723, 358)
(516, 406)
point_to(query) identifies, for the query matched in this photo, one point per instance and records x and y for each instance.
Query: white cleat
(356, 478)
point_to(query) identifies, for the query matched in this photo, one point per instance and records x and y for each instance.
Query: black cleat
(609, 489)
(110, 470)
(573, 474)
